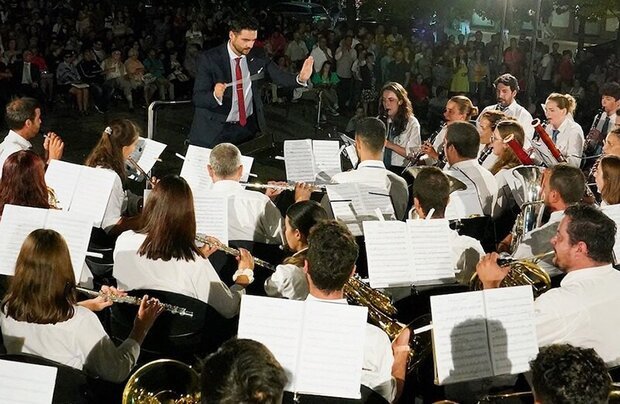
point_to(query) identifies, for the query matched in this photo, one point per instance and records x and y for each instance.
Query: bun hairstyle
(465, 106)
(564, 101)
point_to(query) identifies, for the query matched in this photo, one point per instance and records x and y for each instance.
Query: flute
(315, 188)
(234, 252)
(140, 170)
(181, 311)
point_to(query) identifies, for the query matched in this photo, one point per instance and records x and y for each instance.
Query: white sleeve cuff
(301, 83)
(217, 99)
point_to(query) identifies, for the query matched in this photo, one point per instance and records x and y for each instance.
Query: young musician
(461, 149)
(563, 130)
(40, 314)
(458, 109)
(330, 262)
(583, 311)
(608, 180)
(162, 253)
(23, 117)
(369, 145)
(604, 121)
(289, 280)
(611, 146)
(486, 126)
(431, 190)
(116, 144)
(403, 135)
(506, 89)
(23, 181)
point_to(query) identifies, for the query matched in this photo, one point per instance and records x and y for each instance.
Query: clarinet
(415, 159)
(485, 153)
(594, 136)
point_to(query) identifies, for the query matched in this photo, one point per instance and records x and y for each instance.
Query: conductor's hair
(509, 80)
(19, 110)
(242, 22)
(432, 190)
(225, 160)
(591, 226)
(568, 181)
(563, 373)
(242, 371)
(371, 132)
(465, 139)
(332, 252)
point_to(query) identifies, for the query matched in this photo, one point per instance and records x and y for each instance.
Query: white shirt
(251, 215)
(378, 358)
(288, 281)
(538, 241)
(569, 141)
(374, 173)
(489, 160)
(233, 115)
(583, 312)
(520, 114)
(196, 279)
(12, 143)
(505, 199)
(297, 50)
(80, 342)
(482, 179)
(114, 208)
(319, 57)
(409, 139)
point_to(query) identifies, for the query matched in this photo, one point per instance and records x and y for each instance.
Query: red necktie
(241, 101)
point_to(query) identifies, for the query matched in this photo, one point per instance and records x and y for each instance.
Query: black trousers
(236, 134)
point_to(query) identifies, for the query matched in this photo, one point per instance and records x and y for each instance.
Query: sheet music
(76, 229)
(327, 156)
(464, 203)
(460, 340)
(195, 170)
(388, 254)
(276, 323)
(211, 215)
(511, 328)
(150, 153)
(429, 248)
(60, 176)
(330, 363)
(352, 154)
(346, 203)
(15, 225)
(26, 383)
(613, 211)
(299, 160)
(374, 198)
(93, 190)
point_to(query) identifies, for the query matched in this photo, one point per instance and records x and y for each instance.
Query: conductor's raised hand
(306, 70)
(218, 90)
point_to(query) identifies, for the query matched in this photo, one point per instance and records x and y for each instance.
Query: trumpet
(315, 188)
(181, 311)
(232, 251)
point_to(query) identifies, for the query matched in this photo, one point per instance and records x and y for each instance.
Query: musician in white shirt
(506, 89)
(562, 129)
(369, 145)
(461, 148)
(162, 253)
(330, 262)
(604, 121)
(289, 280)
(607, 179)
(251, 215)
(23, 117)
(583, 311)
(487, 123)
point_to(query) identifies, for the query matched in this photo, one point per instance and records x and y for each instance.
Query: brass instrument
(181, 311)
(232, 251)
(381, 313)
(163, 381)
(52, 199)
(532, 207)
(524, 271)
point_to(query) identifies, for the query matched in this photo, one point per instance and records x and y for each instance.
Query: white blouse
(409, 139)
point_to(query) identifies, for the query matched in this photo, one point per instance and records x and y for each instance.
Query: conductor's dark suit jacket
(213, 66)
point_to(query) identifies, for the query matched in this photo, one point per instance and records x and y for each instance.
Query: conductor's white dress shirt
(196, 278)
(80, 342)
(583, 312)
(251, 215)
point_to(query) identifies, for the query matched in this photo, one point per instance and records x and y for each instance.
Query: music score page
(26, 383)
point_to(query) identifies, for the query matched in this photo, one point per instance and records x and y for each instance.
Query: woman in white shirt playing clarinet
(289, 280)
(563, 130)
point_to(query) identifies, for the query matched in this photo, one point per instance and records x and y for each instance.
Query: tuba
(163, 381)
(532, 207)
(381, 312)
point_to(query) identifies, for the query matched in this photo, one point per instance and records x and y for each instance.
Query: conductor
(226, 106)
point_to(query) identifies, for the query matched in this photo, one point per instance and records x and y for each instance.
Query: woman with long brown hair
(116, 144)
(289, 280)
(23, 181)
(162, 252)
(608, 180)
(403, 135)
(40, 314)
